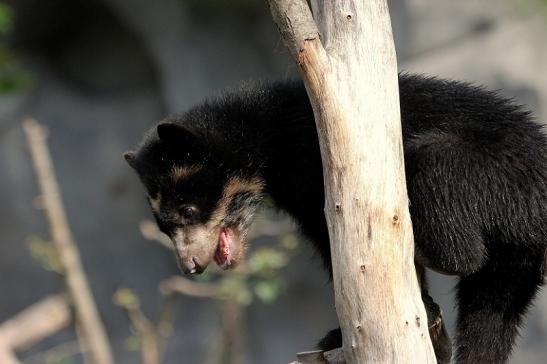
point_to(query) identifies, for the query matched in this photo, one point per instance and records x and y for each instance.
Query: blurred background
(99, 73)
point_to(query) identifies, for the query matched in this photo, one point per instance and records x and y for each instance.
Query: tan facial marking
(181, 173)
(233, 187)
(199, 233)
(178, 239)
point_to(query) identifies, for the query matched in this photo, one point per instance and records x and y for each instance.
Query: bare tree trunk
(350, 73)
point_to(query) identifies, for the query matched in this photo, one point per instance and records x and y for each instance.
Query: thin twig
(181, 285)
(129, 301)
(76, 280)
(166, 317)
(147, 334)
(150, 231)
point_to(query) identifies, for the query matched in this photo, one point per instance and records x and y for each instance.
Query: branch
(35, 323)
(32, 325)
(166, 315)
(335, 356)
(181, 285)
(77, 284)
(146, 331)
(7, 356)
(295, 23)
(150, 231)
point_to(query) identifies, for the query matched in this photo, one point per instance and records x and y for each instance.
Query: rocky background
(103, 71)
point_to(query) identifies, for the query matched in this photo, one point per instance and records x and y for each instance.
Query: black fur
(476, 168)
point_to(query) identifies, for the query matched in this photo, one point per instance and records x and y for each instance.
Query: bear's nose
(189, 265)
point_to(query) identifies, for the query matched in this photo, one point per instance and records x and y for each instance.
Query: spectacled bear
(476, 170)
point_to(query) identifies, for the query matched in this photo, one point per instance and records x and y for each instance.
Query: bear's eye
(188, 212)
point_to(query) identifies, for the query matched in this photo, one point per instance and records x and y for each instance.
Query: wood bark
(350, 72)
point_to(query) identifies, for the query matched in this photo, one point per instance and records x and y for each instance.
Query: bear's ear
(178, 135)
(130, 158)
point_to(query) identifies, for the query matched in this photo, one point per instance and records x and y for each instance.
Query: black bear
(476, 169)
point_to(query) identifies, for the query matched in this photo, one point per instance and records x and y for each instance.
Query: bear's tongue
(224, 252)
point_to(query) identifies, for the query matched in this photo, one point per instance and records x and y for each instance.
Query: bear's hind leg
(492, 302)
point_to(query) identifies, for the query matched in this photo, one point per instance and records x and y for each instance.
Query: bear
(476, 173)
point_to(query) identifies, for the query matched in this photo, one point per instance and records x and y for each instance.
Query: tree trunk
(350, 73)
